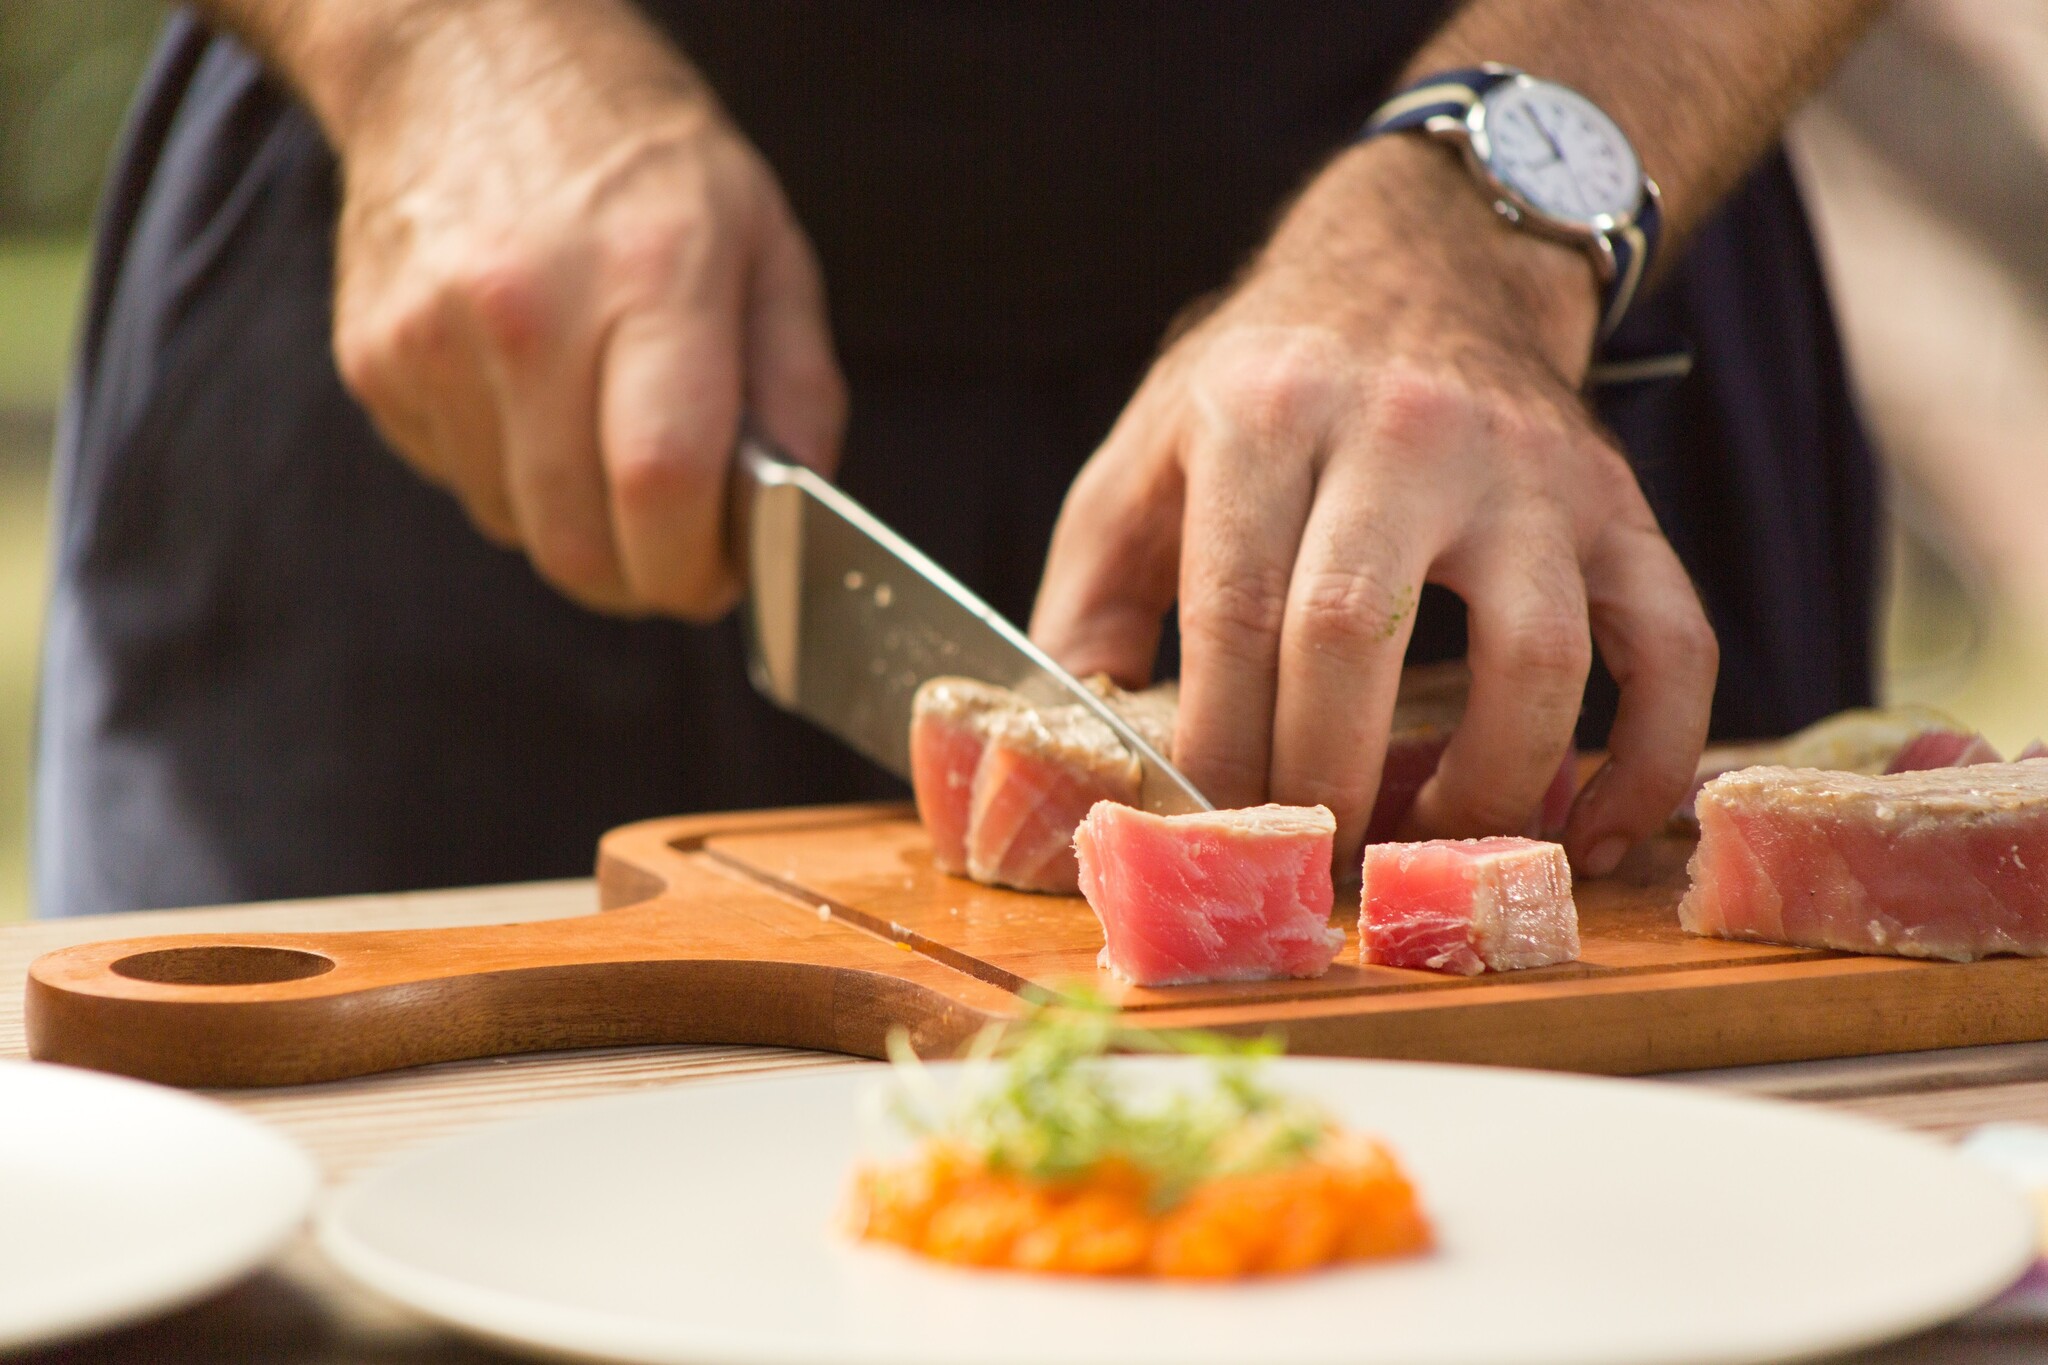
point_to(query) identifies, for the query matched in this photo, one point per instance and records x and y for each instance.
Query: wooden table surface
(299, 1310)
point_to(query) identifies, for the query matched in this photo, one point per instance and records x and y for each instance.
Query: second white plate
(1580, 1220)
(120, 1199)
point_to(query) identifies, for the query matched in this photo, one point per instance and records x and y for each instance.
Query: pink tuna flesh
(1039, 774)
(1229, 895)
(1941, 863)
(1942, 749)
(948, 731)
(1467, 905)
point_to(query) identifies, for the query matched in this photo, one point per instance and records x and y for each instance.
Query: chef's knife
(844, 619)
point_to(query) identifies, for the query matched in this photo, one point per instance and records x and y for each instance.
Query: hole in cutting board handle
(226, 964)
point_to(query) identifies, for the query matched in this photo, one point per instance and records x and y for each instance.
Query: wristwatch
(1550, 159)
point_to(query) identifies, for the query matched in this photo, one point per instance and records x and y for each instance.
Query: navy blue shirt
(278, 664)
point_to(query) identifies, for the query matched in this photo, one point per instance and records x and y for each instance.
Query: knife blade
(844, 620)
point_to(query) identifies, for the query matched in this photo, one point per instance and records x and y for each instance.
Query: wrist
(340, 57)
(1413, 200)
(362, 65)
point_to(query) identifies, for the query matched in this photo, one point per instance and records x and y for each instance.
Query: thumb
(1113, 568)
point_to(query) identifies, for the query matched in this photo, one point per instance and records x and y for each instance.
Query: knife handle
(757, 463)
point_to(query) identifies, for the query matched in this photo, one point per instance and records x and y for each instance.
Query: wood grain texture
(823, 928)
(302, 1310)
(701, 954)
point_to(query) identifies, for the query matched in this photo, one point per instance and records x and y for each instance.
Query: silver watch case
(1468, 133)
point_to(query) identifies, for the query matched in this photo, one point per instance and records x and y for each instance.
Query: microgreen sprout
(1037, 1101)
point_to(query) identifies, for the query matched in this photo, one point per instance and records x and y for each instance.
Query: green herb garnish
(1038, 1102)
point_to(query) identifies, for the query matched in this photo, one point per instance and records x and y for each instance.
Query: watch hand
(1556, 152)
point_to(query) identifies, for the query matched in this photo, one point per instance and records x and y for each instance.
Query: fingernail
(1605, 856)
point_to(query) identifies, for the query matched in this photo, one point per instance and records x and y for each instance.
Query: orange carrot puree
(1347, 1201)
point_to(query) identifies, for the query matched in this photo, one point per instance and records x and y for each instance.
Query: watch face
(1556, 149)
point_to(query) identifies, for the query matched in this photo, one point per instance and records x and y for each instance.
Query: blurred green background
(67, 69)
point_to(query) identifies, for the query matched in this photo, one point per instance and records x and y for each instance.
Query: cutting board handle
(686, 953)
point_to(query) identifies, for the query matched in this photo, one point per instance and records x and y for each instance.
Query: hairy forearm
(1700, 86)
(342, 55)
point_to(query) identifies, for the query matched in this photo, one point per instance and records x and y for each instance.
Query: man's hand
(562, 274)
(1388, 397)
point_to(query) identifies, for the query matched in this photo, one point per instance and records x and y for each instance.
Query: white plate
(1580, 1221)
(120, 1199)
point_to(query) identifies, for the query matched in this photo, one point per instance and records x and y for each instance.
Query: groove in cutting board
(888, 930)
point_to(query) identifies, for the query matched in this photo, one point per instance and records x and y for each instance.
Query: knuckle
(1548, 649)
(415, 336)
(1338, 612)
(576, 559)
(1415, 406)
(367, 337)
(648, 255)
(1690, 645)
(1279, 381)
(504, 293)
(357, 358)
(1238, 612)
(658, 469)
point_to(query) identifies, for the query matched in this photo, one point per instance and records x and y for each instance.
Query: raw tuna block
(1943, 863)
(948, 731)
(1228, 895)
(1040, 772)
(1467, 905)
(1865, 740)
(1942, 749)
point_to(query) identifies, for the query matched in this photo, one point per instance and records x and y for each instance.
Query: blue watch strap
(1445, 100)
(1446, 95)
(1633, 244)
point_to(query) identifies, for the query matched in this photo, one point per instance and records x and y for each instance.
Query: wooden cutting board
(823, 928)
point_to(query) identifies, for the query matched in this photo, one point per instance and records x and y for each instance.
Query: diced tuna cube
(1939, 863)
(1040, 772)
(948, 731)
(1467, 905)
(1229, 895)
(2034, 749)
(1942, 749)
